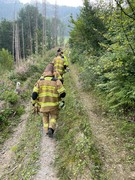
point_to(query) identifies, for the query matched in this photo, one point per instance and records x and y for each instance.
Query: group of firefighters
(49, 91)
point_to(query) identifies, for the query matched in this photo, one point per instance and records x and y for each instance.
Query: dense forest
(25, 26)
(103, 43)
(25, 36)
(93, 143)
(63, 12)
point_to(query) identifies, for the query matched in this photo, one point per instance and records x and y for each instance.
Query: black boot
(50, 132)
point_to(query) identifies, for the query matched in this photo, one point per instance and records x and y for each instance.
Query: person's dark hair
(59, 50)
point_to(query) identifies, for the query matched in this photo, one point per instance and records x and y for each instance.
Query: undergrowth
(124, 122)
(26, 153)
(12, 105)
(10, 109)
(78, 157)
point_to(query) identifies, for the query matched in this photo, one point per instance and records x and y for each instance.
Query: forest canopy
(103, 43)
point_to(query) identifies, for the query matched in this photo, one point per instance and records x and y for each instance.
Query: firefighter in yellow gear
(66, 64)
(55, 73)
(65, 59)
(59, 65)
(47, 93)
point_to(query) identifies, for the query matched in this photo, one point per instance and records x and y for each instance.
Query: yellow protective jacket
(48, 91)
(65, 61)
(59, 65)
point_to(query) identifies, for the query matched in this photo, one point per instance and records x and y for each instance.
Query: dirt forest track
(6, 152)
(46, 169)
(47, 156)
(108, 141)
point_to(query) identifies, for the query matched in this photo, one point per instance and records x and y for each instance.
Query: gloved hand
(62, 104)
(33, 102)
(35, 110)
(67, 69)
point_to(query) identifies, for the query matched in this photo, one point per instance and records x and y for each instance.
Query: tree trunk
(55, 24)
(23, 54)
(17, 49)
(13, 41)
(44, 26)
(30, 36)
(36, 29)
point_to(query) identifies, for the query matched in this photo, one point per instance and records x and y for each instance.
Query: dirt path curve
(112, 153)
(48, 145)
(47, 155)
(6, 152)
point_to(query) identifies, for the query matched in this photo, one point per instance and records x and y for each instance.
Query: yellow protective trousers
(49, 120)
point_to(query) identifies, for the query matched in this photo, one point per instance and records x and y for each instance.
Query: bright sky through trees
(59, 2)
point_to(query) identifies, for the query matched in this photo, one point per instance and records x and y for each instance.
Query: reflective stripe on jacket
(48, 91)
(65, 61)
(59, 64)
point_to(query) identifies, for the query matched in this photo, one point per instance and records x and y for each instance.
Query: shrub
(20, 110)
(6, 59)
(10, 96)
(4, 114)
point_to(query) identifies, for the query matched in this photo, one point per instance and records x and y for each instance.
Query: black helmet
(59, 50)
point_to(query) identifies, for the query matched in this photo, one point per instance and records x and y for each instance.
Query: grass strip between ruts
(77, 156)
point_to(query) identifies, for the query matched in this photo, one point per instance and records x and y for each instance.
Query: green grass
(77, 153)
(13, 104)
(123, 123)
(9, 117)
(26, 152)
(24, 163)
(127, 131)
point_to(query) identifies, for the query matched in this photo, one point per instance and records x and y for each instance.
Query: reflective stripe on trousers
(49, 120)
